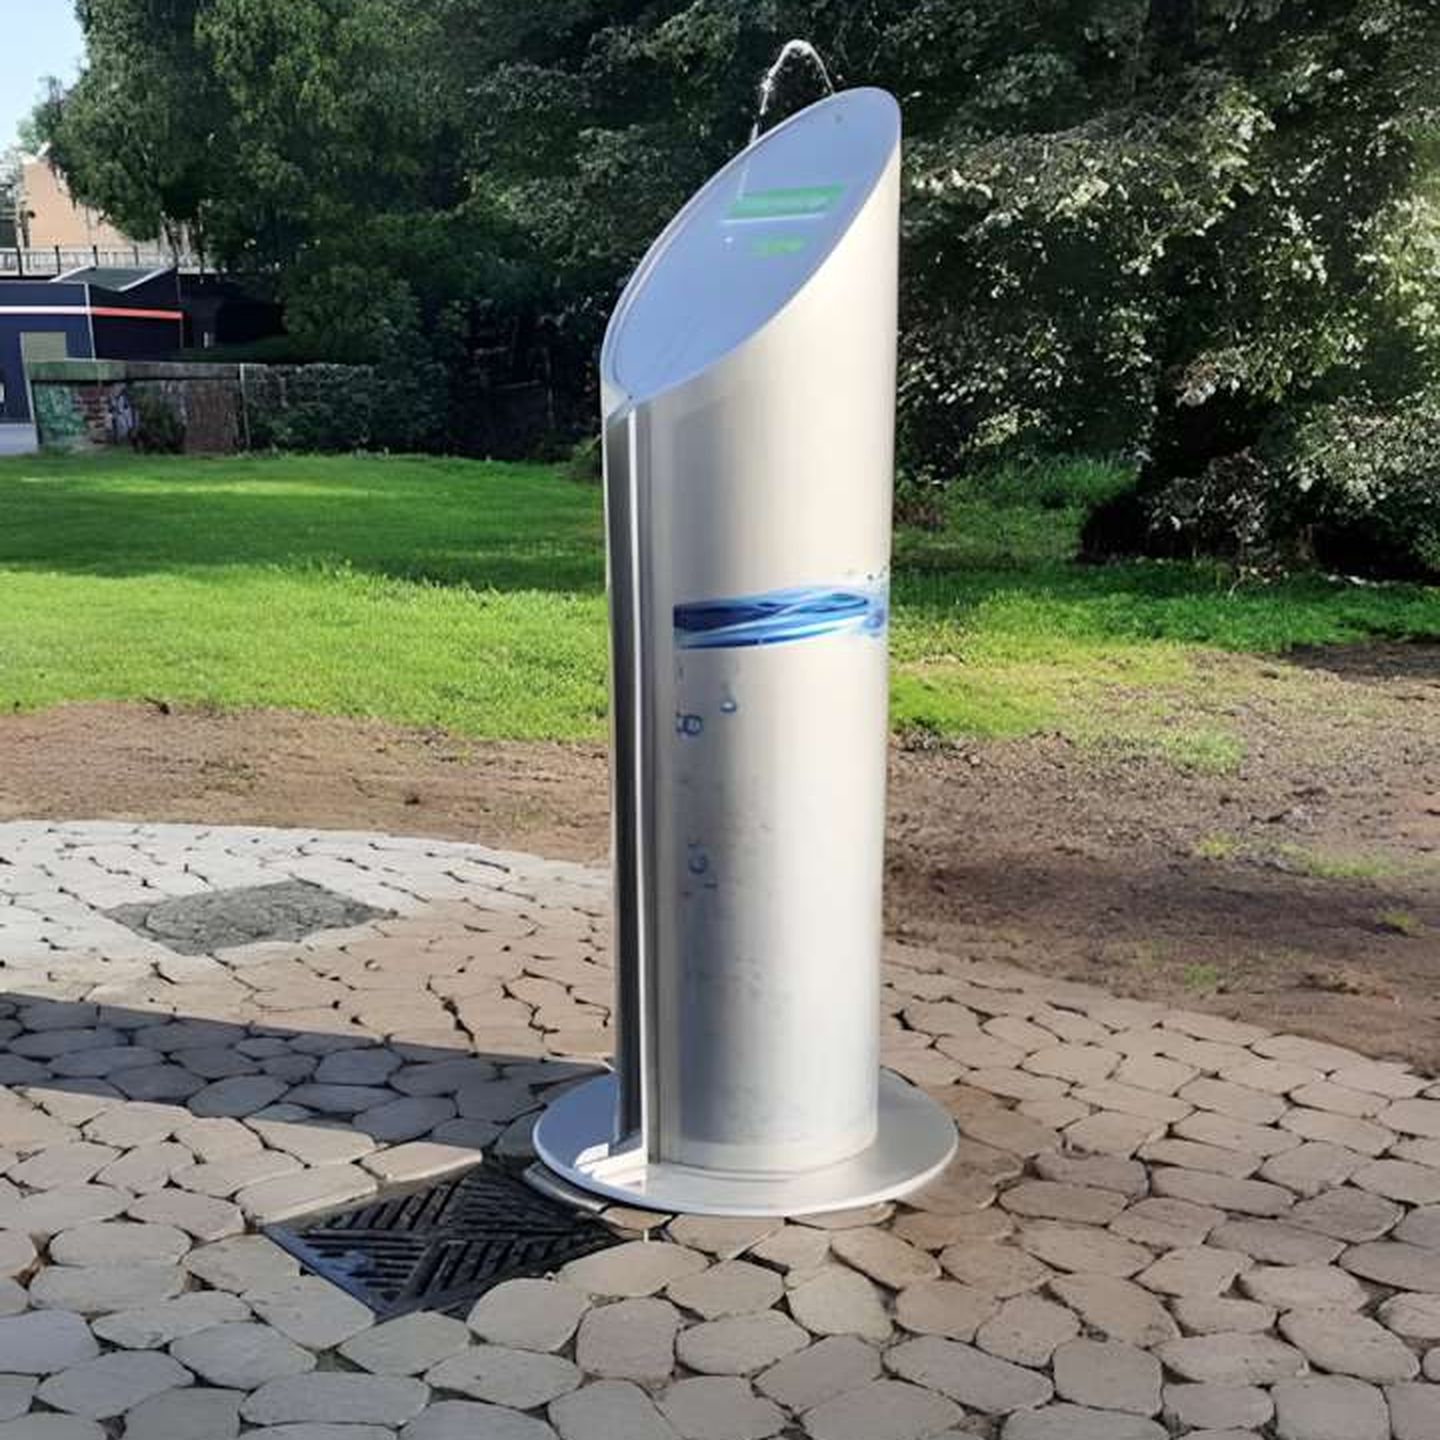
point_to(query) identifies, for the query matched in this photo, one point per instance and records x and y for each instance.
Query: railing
(45, 262)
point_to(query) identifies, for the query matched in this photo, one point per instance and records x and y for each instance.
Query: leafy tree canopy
(1142, 224)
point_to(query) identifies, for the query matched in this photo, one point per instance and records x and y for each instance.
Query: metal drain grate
(442, 1247)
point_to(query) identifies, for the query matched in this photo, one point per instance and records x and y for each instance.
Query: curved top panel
(748, 241)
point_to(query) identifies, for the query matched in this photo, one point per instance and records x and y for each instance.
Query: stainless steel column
(748, 378)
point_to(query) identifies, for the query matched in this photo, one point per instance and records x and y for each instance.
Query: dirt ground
(1302, 892)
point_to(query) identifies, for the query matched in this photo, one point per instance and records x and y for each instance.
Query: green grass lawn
(470, 596)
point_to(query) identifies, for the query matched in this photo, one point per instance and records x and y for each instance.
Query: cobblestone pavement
(1159, 1223)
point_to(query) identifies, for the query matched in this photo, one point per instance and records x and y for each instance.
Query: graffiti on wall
(59, 419)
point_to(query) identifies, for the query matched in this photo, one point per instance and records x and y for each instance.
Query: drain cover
(442, 1247)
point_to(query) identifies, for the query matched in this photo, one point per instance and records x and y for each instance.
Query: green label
(784, 204)
(769, 246)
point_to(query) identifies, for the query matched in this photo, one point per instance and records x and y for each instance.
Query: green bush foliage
(159, 425)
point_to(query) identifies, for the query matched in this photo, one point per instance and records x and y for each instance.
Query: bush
(159, 425)
(1352, 485)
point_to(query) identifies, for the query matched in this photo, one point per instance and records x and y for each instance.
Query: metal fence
(45, 262)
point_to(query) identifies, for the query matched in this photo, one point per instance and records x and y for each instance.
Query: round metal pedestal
(915, 1141)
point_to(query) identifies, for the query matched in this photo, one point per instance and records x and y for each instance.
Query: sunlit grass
(470, 596)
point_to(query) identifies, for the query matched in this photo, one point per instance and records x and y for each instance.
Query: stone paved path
(1159, 1223)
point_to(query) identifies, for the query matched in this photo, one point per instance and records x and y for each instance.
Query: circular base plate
(914, 1143)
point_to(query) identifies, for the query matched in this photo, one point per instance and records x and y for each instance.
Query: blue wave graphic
(780, 616)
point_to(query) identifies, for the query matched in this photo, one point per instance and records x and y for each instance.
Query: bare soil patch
(1301, 892)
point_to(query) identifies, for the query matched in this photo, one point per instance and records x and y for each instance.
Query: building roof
(111, 277)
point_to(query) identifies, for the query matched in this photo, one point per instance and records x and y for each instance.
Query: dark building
(89, 314)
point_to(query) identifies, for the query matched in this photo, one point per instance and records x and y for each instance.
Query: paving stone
(113, 1242)
(1345, 1343)
(640, 1267)
(112, 1384)
(310, 1311)
(833, 1301)
(608, 1410)
(44, 1341)
(202, 1216)
(733, 1287)
(413, 1343)
(1218, 1407)
(58, 1165)
(1108, 1375)
(1084, 1249)
(1304, 1287)
(1108, 1132)
(1363, 1136)
(1221, 1315)
(1221, 1131)
(1153, 1072)
(336, 1398)
(1274, 1077)
(1312, 1168)
(447, 1420)
(740, 1344)
(1165, 1224)
(49, 1426)
(528, 1314)
(98, 1289)
(1414, 1411)
(405, 1119)
(339, 1099)
(1007, 1130)
(243, 1262)
(1330, 1407)
(794, 1248)
(1118, 1309)
(419, 1160)
(193, 1414)
(1238, 1102)
(1276, 1242)
(241, 1355)
(1246, 1197)
(520, 1379)
(221, 1178)
(714, 1407)
(1232, 1359)
(146, 1168)
(236, 1097)
(1074, 1422)
(723, 1236)
(1080, 1064)
(882, 1410)
(1100, 1172)
(830, 1367)
(17, 1253)
(311, 1142)
(322, 1187)
(884, 1257)
(1196, 1270)
(1027, 1330)
(1415, 1317)
(1338, 1100)
(48, 1212)
(629, 1340)
(932, 1231)
(1401, 1180)
(968, 1376)
(1047, 1199)
(1413, 1117)
(152, 1327)
(1000, 1270)
(361, 1066)
(1420, 1227)
(1346, 1214)
(1191, 1155)
(1389, 1262)
(15, 1395)
(159, 1082)
(944, 1307)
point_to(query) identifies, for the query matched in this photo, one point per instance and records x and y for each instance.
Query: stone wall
(224, 408)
